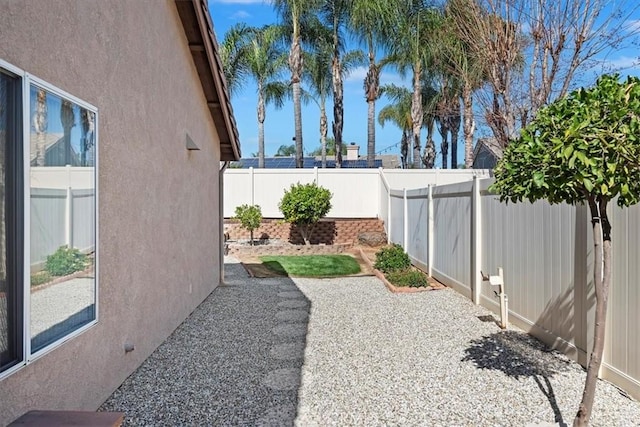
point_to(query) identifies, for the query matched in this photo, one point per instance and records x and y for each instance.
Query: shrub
(392, 258)
(65, 261)
(250, 217)
(408, 277)
(304, 205)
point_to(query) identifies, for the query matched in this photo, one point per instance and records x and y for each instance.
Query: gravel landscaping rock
(367, 357)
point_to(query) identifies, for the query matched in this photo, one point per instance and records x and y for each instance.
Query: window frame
(24, 303)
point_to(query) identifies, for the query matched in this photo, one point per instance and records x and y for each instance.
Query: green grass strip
(312, 265)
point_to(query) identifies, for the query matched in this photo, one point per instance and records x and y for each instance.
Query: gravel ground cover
(324, 352)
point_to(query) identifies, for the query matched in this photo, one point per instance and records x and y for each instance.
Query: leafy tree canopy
(304, 205)
(585, 145)
(331, 148)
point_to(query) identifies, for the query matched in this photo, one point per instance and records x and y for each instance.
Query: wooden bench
(69, 419)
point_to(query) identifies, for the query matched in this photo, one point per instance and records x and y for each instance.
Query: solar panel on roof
(307, 163)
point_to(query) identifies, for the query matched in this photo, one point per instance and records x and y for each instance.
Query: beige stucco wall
(158, 203)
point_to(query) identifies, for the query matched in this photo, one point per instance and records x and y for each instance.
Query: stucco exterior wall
(158, 203)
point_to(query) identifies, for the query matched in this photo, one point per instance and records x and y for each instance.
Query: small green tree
(250, 217)
(304, 205)
(585, 147)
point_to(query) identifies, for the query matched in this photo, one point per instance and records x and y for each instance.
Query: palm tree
(335, 15)
(369, 21)
(40, 124)
(398, 113)
(294, 12)
(411, 42)
(259, 55)
(67, 118)
(430, 98)
(232, 56)
(457, 59)
(318, 75)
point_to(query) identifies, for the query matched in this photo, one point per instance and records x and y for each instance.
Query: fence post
(430, 228)
(315, 172)
(476, 241)
(253, 186)
(68, 218)
(405, 215)
(389, 215)
(68, 214)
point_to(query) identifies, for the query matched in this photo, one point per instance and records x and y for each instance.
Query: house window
(11, 235)
(48, 286)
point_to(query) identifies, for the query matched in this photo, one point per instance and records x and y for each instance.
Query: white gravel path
(345, 352)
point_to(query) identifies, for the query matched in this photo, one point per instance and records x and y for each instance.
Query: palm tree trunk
(371, 86)
(602, 281)
(41, 126)
(468, 127)
(67, 118)
(404, 149)
(338, 109)
(323, 133)
(297, 113)
(444, 147)
(295, 64)
(454, 128)
(261, 117)
(416, 114)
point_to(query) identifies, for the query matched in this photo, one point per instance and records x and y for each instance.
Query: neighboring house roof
(54, 151)
(307, 162)
(486, 153)
(198, 28)
(387, 161)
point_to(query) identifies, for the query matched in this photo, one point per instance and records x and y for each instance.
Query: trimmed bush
(250, 217)
(408, 277)
(65, 261)
(392, 258)
(304, 205)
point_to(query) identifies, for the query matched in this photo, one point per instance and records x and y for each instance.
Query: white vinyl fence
(62, 210)
(455, 231)
(61, 217)
(357, 193)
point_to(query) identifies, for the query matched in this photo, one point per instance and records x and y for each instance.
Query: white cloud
(240, 15)
(358, 75)
(632, 25)
(622, 63)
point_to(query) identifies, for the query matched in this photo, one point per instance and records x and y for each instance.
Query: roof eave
(203, 46)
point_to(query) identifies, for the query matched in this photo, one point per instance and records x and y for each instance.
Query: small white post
(315, 173)
(406, 219)
(504, 309)
(68, 218)
(430, 228)
(253, 186)
(476, 241)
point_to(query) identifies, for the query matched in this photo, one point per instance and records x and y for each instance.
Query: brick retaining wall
(328, 231)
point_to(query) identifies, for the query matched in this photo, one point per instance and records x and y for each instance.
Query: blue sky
(279, 125)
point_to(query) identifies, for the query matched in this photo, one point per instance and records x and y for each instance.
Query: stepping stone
(291, 294)
(293, 303)
(282, 415)
(292, 315)
(293, 330)
(283, 379)
(288, 351)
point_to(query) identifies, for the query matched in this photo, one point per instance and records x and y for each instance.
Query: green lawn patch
(312, 265)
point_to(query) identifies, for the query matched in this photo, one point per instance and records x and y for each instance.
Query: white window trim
(26, 81)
